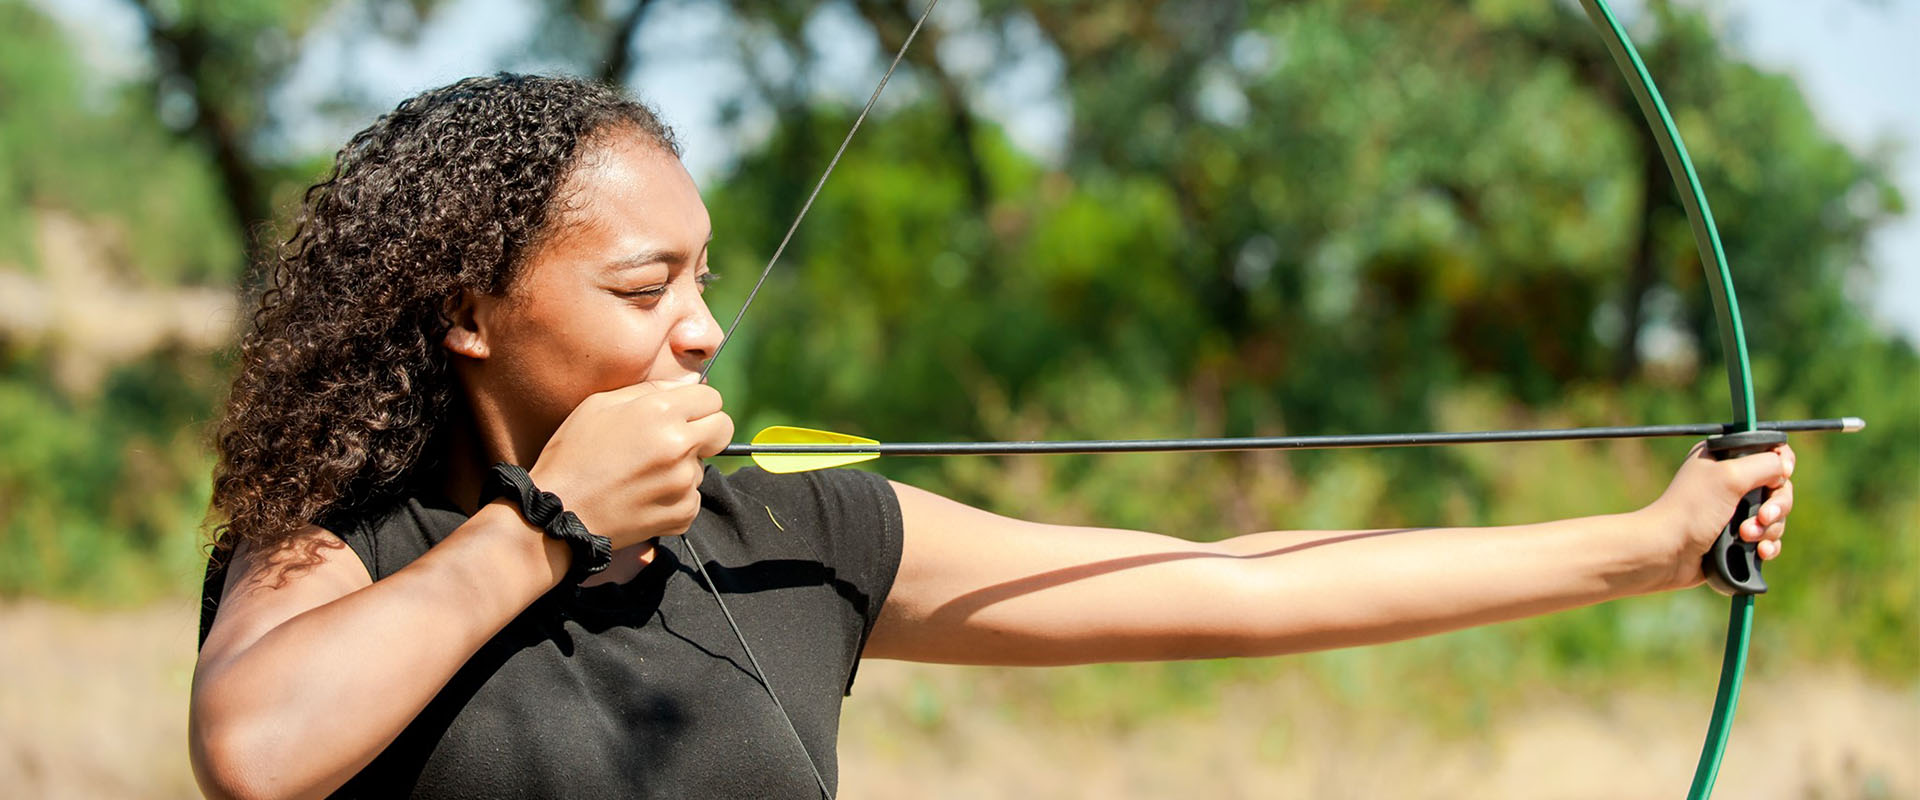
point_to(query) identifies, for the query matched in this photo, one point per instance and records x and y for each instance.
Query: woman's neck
(464, 457)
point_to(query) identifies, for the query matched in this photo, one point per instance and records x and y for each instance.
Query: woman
(508, 271)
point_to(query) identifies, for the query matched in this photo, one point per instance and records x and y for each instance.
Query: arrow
(789, 449)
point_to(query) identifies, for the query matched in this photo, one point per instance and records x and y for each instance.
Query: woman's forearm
(980, 588)
(1300, 591)
(310, 702)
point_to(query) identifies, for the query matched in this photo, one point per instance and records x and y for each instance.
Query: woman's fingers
(1774, 512)
(627, 461)
(712, 433)
(1769, 469)
(1769, 524)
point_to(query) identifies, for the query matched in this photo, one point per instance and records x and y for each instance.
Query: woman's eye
(649, 293)
(706, 279)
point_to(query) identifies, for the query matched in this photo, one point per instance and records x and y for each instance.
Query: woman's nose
(697, 334)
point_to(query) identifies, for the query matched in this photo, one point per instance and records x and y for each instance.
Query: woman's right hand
(627, 462)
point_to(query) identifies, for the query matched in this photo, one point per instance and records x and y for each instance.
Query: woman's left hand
(1703, 496)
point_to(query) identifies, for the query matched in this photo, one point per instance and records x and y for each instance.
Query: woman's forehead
(630, 193)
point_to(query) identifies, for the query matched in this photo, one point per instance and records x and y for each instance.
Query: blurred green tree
(1308, 216)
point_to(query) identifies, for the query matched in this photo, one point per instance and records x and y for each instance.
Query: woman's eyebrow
(658, 255)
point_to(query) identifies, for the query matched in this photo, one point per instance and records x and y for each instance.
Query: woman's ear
(464, 337)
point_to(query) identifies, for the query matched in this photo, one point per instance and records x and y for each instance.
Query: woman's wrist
(524, 551)
(544, 510)
(1646, 541)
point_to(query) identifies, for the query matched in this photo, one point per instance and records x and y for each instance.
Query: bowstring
(758, 673)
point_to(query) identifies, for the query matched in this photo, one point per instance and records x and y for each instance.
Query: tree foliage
(1314, 216)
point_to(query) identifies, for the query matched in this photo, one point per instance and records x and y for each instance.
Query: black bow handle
(1732, 565)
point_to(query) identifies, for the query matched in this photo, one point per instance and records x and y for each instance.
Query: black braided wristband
(591, 553)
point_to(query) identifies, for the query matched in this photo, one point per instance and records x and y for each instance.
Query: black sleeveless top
(640, 689)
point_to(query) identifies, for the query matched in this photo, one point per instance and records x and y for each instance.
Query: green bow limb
(1733, 340)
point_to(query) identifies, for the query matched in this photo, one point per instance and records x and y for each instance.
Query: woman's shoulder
(846, 518)
(384, 535)
(391, 532)
(308, 563)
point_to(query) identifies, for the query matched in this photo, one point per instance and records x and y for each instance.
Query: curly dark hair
(342, 382)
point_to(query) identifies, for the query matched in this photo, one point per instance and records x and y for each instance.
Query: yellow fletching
(787, 434)
(806, 462)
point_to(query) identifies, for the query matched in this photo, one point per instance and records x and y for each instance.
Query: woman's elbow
(221, 763)
(235, 758)
(219, 769)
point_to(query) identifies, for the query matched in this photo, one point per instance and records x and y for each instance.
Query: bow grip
(1732, 565)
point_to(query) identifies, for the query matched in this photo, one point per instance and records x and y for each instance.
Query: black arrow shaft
(1841, 424)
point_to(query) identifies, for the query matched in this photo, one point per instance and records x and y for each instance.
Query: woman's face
(612, 297)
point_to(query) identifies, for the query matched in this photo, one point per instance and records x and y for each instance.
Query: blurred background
(1073, 220)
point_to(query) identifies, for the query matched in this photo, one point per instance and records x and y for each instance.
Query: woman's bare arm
(311, 669)
(979, 588)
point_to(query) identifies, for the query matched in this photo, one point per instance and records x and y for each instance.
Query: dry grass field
(92, 705)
